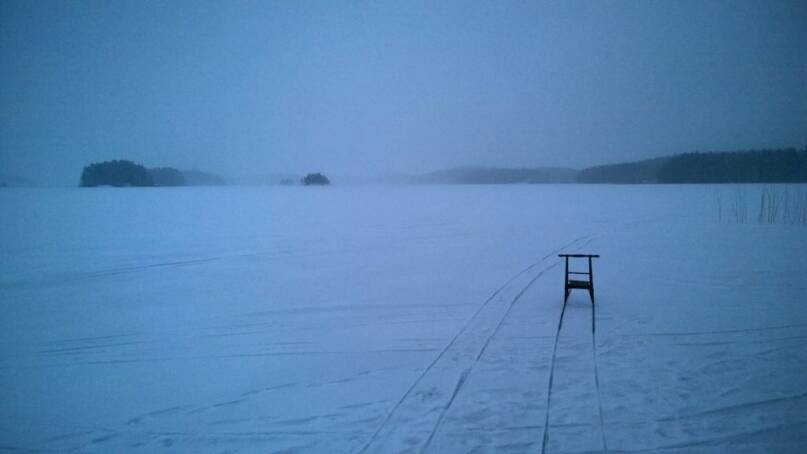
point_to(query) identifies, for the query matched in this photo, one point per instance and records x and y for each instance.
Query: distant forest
(493, 175)
(115, 173)
(646, 171)
(787, 165)
(121, 173)
(766, 166)
(314, 179)
(166, 176)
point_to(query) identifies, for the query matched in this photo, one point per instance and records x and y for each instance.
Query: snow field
(397, 319)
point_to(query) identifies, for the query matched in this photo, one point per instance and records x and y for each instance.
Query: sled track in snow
(453, 340)
(545, 439)
(596, 376)
(467, 372)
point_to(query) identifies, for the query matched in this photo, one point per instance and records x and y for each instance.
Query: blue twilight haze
(363, 88)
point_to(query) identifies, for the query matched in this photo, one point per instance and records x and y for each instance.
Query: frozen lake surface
(397, 319)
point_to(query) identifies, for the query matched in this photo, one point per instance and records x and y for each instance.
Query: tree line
(788, 165)
(123, 172)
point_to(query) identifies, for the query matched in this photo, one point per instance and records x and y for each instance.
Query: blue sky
(363, 88)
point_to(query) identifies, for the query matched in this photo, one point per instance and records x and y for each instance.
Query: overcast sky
(371, 87)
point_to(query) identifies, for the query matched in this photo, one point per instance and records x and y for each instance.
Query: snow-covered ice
(397, 319)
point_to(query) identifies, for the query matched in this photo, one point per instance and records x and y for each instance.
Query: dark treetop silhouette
(315, 179)
(115, 173)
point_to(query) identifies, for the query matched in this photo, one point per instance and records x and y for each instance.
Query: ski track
(92, 275)
(658, 415)
(707, 333)
(545, 438)
(465, 326)
(597, 376)
(482, 352)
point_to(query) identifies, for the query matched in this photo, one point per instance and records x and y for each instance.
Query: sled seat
(585, 285)
(570, 284)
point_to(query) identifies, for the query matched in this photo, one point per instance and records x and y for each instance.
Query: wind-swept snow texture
(397, 319)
